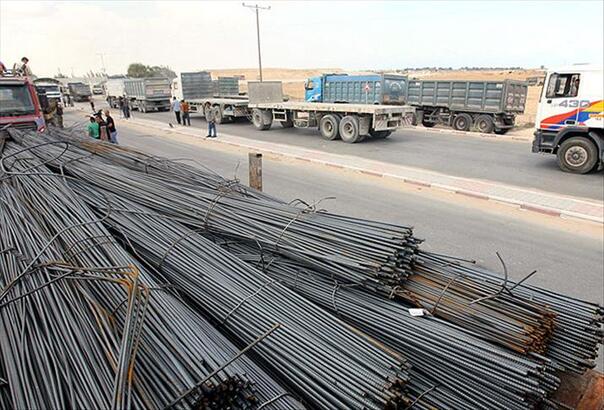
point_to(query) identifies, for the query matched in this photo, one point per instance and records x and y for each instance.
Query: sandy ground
(293, 82)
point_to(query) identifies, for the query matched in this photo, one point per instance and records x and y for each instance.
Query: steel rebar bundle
(450, 368)
(164, 211)
(326, 362)
(63, 277)
(359, 250)
(578, 324)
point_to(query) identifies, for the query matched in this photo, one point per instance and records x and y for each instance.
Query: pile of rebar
(329, 295)
(85, 326)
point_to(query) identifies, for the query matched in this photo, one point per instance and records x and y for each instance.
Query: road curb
(524, 205)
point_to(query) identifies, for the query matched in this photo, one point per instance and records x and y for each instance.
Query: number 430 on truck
(570, 119)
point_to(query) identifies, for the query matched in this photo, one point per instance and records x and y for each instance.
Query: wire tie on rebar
(424, 393)
(393, 292)
(264, 285)
(176, 242)
(224, 366)
(214, 202)
(442, 293)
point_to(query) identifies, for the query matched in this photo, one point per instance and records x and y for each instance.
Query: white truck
(570, 119)
(349, 122)
(114, 89)
(148, 94)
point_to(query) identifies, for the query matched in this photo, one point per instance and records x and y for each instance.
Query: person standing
(111, 130)
(176, 109)
(186, 119)
(211, 118)
(104, 136)
(92, 105)
(93, 128)
(126, 108)
(23, 69)
(59, 115)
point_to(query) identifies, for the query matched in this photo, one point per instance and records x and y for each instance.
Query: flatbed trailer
(225, 109)
(350, 122)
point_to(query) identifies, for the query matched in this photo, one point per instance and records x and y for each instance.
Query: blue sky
(350, 35)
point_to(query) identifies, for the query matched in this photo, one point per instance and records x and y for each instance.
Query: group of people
(182, 113)
(18, 69)
(102, 128)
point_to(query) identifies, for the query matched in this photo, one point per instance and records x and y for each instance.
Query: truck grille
(29, 125)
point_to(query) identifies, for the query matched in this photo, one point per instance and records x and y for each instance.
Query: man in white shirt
(176, 109)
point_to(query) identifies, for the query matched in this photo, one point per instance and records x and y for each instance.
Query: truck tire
(258, 119)
(484, 123)
(287, 124)
(349, 129)
(217, 115)
(428, 124)
(501, 131)
(462, 122)
(329, 126)
(577, 155)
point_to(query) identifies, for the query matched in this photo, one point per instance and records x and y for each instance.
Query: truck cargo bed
(334, 107)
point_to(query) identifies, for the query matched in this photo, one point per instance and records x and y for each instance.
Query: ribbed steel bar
(451, 368)
(137, 355)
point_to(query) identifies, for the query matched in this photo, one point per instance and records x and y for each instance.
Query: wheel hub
(576, 156)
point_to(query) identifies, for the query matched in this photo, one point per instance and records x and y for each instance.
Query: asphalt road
(509, 162)
(568, 260)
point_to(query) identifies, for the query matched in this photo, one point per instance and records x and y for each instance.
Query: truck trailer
(114, 89)
(204, 95)
(350, 122)
(486, 106)
(570, 118)
(79, 91)
(148, 94)
(357, 89)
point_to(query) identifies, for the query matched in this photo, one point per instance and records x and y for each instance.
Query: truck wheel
(258, 120)
(217, 115)
(414, 119)
(349, 129)
(462, 122)
(428, 124)
(142, 108)
(329, 127)
(577, 155)
(287, 124)
(485, 124)
(501, 131)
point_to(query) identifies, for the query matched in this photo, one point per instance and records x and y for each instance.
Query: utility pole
(258, 8)
(102, 55)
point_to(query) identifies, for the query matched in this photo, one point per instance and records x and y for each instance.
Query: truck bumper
(544, 142)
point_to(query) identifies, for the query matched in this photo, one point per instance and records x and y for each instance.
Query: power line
(257, 8)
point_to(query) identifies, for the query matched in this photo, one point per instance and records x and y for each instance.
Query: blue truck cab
(357, 89)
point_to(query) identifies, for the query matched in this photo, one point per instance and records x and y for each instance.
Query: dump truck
(487, 106)
(204, 94)
(79, 91)
(570, 118)
(356, 89)
(19, 104)
(148, 94)
(349, 122)
(114, 89)
(50, 87)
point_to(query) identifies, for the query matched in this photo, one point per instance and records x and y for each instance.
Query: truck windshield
(15, 100)
(49, 88)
